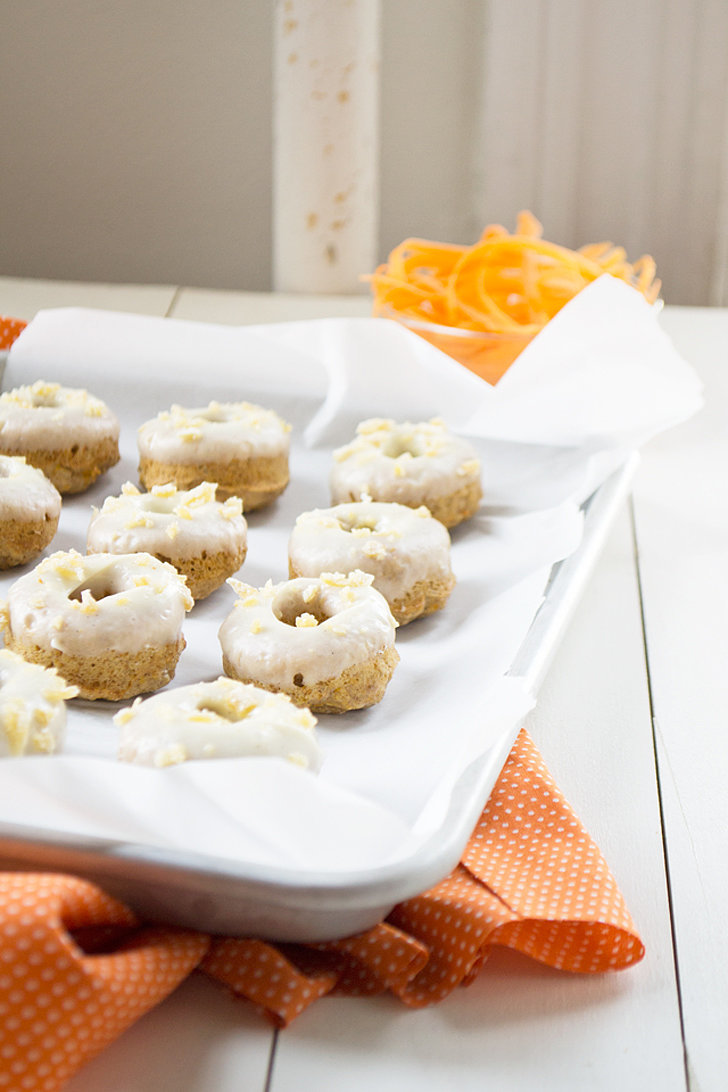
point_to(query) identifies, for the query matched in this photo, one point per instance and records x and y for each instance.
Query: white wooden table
(631, 721)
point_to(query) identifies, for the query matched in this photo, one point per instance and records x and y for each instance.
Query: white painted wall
(136, 144)
(616, 128)
(135, 140)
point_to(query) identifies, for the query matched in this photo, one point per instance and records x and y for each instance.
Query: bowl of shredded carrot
(482, 304)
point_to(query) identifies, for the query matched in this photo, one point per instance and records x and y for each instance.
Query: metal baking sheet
(222, 896)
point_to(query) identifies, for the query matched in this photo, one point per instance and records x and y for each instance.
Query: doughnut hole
(100, 586)
(351, 523)
(47, 398)
(397, 445)
(158, 505)
(291, 608)
(224, 709)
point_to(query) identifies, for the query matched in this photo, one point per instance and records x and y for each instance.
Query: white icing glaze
(32, 707)
(167, 521)
(25, 492)
(398, 545)
(315, 627)
(402, 462)
(221, 719)
(220, 431)
(48, 417)
(85, 606)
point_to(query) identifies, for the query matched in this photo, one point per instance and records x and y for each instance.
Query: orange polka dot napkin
(77, 968)
(75, 971)
(530, 879)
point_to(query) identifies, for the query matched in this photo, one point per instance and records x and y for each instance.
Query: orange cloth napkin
(77, 968)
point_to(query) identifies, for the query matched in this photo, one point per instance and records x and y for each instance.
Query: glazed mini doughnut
(69, 434)
(406, 550)
(410, 464)
(242, 447)
(111, 624)
(326, 641)
(220, 719)
(30, 506)
(206, 540)
(32, 707)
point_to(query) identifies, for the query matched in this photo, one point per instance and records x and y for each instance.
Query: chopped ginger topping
(139, 520)
(88, 603)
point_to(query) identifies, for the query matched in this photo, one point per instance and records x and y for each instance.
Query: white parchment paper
(594, 386)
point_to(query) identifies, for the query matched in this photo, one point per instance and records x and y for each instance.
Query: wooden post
(325, 144)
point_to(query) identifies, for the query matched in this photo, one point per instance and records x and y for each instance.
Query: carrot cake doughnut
(111, 624)
(406, 550)
(410, 464)
(32, 707)
(220, 719)
(242, 447)
(69, 434)
(206, 540)
(30, 506)
(326, 641)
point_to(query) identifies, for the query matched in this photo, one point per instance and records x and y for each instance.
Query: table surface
(630, 720)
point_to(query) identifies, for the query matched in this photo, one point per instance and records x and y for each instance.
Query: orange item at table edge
(10, 329)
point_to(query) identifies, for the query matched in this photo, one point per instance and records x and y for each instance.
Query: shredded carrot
(503, 283)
